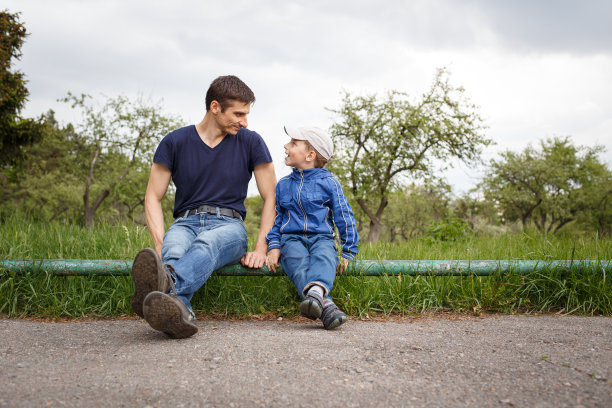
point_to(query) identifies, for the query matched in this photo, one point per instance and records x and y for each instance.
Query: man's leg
(219, 241)
(150, 273)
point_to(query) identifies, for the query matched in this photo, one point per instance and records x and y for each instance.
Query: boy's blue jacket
(311, 201)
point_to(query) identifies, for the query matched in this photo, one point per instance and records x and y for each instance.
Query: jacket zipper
(299, 197)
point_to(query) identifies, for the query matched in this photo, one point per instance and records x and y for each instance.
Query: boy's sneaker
(333, 317)
(312, 305)
(168, 314)
(148, 275)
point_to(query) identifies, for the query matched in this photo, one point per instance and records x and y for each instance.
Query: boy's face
(299, 155)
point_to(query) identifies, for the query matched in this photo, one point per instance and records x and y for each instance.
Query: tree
(413, 208)
(14, 130)
(119, 142)
(550, 186)
(380, 141)
(516, 183)
(45, 184)
(479, 213)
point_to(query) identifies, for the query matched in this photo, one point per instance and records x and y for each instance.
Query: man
(211, 164)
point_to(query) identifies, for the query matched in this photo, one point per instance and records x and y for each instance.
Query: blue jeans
(309, 260)
(197, 245)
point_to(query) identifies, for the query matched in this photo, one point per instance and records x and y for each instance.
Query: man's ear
(215, 107)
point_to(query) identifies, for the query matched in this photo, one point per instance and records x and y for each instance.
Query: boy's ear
(312, 155)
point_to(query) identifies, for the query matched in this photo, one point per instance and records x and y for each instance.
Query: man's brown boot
(148, 275)
(167, 313)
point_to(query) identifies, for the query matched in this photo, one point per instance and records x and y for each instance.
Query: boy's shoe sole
(311, 307)
(168, 314)
(333, 317)
(148, 276)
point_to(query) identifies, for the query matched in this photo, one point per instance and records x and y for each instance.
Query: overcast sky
(536, 69)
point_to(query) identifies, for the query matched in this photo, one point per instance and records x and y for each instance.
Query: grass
(587, 293)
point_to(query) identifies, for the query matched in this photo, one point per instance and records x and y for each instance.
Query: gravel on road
(491, 361)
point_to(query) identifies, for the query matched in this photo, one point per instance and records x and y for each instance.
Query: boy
(309, 202)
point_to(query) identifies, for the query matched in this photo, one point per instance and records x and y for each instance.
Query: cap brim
(294, 133)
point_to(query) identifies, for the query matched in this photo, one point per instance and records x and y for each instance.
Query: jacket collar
(309, 173)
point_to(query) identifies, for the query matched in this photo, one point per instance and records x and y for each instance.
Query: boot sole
(163, 314)
(145, 274)
(310, 309)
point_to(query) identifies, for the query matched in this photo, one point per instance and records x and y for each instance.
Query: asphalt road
(493, 361)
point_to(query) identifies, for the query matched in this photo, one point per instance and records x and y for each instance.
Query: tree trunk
(375, 218)
(375, 230)
(89, 217)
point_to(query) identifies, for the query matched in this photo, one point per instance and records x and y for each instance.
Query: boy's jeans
(197, 245)
(309, 259)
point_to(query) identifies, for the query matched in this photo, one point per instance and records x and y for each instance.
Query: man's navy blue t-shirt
(216, 176)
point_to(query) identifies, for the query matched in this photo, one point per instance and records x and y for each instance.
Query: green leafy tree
(119, 141)
(379, 141)
(550, 186)
(44, 185)
(14, 130)
(412, 209)
(475, 210)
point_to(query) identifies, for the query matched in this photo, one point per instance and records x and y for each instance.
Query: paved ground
(495, 361)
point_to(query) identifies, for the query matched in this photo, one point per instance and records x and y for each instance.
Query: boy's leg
(321, 274)
(331, 316)
(324, 261)
(295, 260)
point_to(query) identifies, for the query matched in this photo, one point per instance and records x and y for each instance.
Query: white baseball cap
(318, 138)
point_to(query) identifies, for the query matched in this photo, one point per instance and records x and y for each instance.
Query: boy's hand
(342, 265)
(272, 259)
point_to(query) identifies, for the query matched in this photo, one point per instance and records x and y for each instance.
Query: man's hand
(266, 182)
(255, 259)
(342, 265)
(272, 259)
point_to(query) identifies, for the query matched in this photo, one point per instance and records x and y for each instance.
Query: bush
(448, 230)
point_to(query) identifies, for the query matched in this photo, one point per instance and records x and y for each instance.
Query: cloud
(551, 26)
(536, 69)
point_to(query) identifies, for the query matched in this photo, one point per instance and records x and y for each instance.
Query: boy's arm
(266, 183)
(345, 222)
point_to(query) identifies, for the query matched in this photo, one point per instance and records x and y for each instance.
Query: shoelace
(169, 269)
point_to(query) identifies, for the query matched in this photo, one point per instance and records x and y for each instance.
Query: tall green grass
(45, 295)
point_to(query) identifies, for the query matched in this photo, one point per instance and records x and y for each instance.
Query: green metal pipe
(81, 267)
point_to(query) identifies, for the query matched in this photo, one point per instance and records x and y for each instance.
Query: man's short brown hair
(228, 88)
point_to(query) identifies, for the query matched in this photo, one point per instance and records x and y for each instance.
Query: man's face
(234, 117)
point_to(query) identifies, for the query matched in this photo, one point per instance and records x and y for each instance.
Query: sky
(535, 69)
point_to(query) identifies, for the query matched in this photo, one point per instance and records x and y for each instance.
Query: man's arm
(159, 179)
(266, 184)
